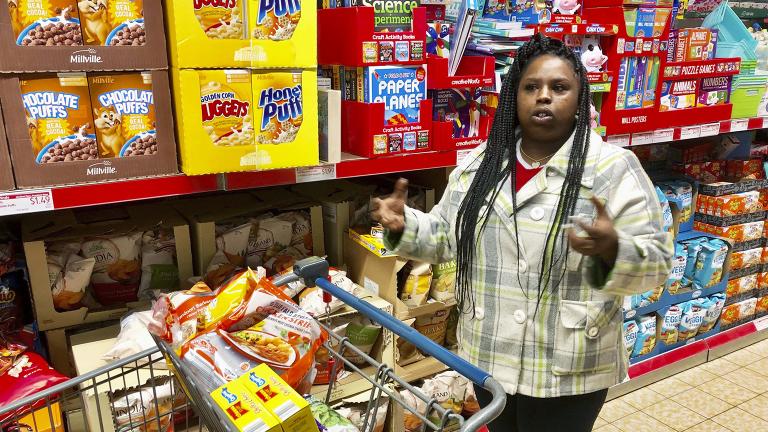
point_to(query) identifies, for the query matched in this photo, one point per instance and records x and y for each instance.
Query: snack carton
(243, 410)
(677, 95)
(279, 398)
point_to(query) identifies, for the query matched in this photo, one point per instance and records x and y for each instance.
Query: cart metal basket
(195, 409)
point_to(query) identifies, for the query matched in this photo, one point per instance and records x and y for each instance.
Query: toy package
(438, 39)
(695, 44)
(461, 107)
(677, 95)
(644, 19)
(592, 56)
(521, 11)
(400, 88)
(714, 91)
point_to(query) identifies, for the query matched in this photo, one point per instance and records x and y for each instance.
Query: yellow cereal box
(124, 114)
(225, 102)
(45, 22)
(243, 410)
(279, 398)
(280, 108)
(58, 111)
(113, 22)
(274, 19)
(220, 19)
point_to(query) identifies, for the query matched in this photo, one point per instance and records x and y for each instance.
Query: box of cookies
(72, 128)
(242, 33)
(6, 172)
(81, 35)
(241, 120)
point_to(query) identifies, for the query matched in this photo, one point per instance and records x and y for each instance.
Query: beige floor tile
(674, 415)
(643, 398)
(723, 389)
(641, 422)
(616, 409)
(760, 366)
(720, 366)
(748, 379)
(607, 428)
(670, 387)
(759, 348)
(758, 407)
(702, 402)
(739, 420)
(696, 376)
(742, 357)
(709, 426)
(599, 423)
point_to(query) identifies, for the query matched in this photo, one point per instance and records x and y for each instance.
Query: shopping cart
(313, 272)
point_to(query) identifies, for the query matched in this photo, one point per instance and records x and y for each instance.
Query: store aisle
(729, 394)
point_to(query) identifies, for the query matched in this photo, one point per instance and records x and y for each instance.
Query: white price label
(689, 132)
(315, 173)
(739, 125)
(710, 129)
(461, 156)
(761, 323)
(642, 138)
(663, 135)
(765, 122)
(619, 140)
(30, 201)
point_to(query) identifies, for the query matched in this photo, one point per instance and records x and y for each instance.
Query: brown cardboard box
(6, 172)
(151, 56)
(29, 173)
(67, 224)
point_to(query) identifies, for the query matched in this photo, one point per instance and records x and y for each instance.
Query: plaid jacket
(573, 345)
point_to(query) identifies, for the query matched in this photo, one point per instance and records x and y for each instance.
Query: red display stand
(365, 133)
(346, 36)
(443, 135)
(473, 71)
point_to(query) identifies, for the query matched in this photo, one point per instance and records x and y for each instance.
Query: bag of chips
(709, 263)
(443, 281)
(69, 274)
(29, 374)
(715, 305)
(233, 242)
(679, 261)
(328, 420)
(670, 321)
(417, 283)
(646, 336)
(116, 274)
(692, 318)
(159, 271)
(630, 335)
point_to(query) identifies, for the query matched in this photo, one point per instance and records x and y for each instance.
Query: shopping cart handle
(410, 334)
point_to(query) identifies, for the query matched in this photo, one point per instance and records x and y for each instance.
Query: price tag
(689, 132)
(642, 138)
(461, 155)
(739, 125)
(663, 135)
(315, 173)
(710, 129)
(761, 323)
(765, 122)
(619, 140)
(30, 201)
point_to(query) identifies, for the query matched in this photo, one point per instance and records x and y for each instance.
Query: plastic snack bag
(116, 274)
(328, 420)
(646, 336)
(417, 283)
(433, 326)
(692, 318)
(354, 409)
(443, 281)
(412, 423)
(28, 375)
(159, 270)
(714, 308)
(679, 261)
(69, 274)
(448, 389)
(709, 263)
(301, 238)
(670, 322)
(174, 315)
(311, 299)
(363, 334)
(694, 246)
(630, 335)
(159, 398)
(273, 235)
(406, 352)
(234, 243)
(666, 211)
(134, 337)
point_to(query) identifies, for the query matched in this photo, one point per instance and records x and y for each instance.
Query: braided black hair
(499, 161)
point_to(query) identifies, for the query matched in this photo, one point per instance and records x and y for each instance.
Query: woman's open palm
(390, 211)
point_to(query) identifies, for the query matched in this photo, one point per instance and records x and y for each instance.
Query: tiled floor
(729, 394)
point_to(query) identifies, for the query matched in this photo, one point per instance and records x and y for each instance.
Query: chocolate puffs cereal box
(113, 22)
(124, 114)
(242, 33)
(59, 121)
(46, 22)
(243, 409)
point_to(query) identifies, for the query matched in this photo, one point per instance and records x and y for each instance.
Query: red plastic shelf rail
(688, 132)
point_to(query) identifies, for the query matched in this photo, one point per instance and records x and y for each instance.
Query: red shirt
(523, 175)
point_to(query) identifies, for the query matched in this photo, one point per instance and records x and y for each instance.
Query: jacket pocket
(586, 337)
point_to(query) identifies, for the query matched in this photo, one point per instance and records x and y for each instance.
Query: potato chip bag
(69, 274)
(714, 308)
(117, 272)
(221, 19)
(417, 283)
(709, 263)
(666, 211)
(679, 261)
(443, 286)
(670, 321)
(630, 335)
(692, 318)
(278, 110)
(226, 105)
(646, 336)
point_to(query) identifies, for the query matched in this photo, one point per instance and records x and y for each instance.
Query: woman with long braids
(550, 228)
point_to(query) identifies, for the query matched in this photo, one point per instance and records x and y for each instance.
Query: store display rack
(688, 132)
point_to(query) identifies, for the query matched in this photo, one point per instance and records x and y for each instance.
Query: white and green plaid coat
(573, 345)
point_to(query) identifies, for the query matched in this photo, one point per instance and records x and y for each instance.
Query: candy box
(714, 91)
(400, 88)
(677, 95)
(278, 109)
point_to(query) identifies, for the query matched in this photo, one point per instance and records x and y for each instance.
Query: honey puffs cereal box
(225, 102)
(274, 19)
(279, 109)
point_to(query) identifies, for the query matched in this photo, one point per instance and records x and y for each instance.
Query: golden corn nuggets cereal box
(58, 111)
(221, 19)
(225, 102)
(279, 109)
(124, 114)
(45, 22)
(274, 19)
(113, 22)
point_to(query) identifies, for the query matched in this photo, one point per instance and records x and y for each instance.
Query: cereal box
(677, 95)
(400, 88)
(279, 109)
(274, 19)
(714, 91)
(460, 107)
(221, 19)
(113, 22)
(123, 114)
(243, 409)
(45, 22)
(59, 120)
(226, 107)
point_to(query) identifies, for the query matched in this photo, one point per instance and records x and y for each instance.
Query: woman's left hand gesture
(601, 241)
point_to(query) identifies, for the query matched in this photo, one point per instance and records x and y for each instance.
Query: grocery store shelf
(421, 369)
(687, 132)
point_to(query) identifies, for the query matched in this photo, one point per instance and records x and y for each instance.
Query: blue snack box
(400, 88)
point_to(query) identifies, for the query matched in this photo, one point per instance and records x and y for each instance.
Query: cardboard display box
(37, 229)
(6, 172)
(150, 56)
(204, 214)
(29, 173)
(198, 153)
(187, 40)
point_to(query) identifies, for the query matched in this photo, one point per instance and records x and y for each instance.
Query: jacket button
(522, 266)
(537, 213)
(479, 313)
(592, 332)
(519, 316)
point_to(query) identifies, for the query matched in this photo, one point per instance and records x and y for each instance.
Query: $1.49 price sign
(30, 201)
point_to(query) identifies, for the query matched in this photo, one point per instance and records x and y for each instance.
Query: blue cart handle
(426, 345)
